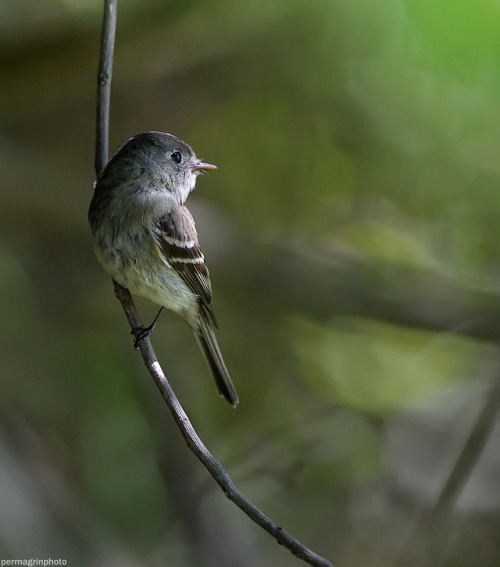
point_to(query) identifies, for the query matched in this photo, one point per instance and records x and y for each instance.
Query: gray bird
(146, 239)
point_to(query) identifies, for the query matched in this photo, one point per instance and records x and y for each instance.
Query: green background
(353, 240)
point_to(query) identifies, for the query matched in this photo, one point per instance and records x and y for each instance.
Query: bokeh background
(352, 232)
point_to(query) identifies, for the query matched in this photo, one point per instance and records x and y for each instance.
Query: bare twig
(108, 34)
(472, 448)
(430, 525)
(192, 439)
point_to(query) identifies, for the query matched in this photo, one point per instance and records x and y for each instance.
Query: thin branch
(218, 472)
(472, 449)
(192, 439)
(431, 523)
(108, 34)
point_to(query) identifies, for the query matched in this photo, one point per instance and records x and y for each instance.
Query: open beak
(199, 165)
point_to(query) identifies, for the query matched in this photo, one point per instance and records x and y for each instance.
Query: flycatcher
(146, 239)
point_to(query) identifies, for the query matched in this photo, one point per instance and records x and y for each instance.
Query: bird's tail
(208, 343)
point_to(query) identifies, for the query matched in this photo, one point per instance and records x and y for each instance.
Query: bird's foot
(140, 333)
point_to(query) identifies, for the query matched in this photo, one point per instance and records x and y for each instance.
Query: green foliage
(367, 128)
(377, 368)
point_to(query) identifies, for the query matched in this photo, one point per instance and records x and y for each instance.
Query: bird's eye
(176, 156)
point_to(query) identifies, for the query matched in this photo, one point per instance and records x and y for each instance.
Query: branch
(473, 447)
(217, 471)
(430, 525)
(323, 284)
(108, 34)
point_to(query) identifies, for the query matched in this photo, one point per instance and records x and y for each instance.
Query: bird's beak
(199, 165)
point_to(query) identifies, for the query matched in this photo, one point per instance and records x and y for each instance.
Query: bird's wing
(176, 235)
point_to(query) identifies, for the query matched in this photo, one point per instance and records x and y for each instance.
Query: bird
(146, 239)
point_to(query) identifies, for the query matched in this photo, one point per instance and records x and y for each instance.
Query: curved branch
(192, 439)
(218, 472)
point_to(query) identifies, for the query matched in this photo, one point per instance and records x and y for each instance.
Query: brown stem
(218, 472)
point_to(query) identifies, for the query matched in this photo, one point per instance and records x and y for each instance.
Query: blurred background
(353, 240)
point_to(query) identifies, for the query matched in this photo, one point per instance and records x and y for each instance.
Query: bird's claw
(140, 333)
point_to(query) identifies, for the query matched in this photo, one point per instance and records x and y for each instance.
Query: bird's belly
(143, 271)
(161, 285)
